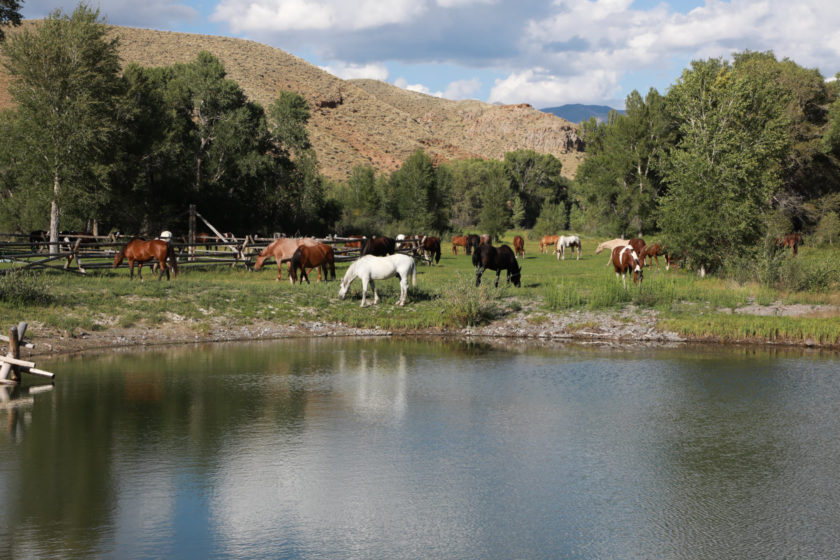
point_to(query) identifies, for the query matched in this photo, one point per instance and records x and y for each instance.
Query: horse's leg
(364, 290)
(498, 274)
(478, 272)
(280, 270)
(375, 294)
(403, 290)
(140, 270)
(131, 269)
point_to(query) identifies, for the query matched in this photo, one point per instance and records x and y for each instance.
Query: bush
(563, 296)
(470, 306)
(23, 288)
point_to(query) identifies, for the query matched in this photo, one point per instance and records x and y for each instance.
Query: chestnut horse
(282, 250)
(139, 251)
(459, 241)
(623, 259)
(654, 252)
(312, 256)
(518, 246)
(355, 244)
(792, 241)
(547, 241)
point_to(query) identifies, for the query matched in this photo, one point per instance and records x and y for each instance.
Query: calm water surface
(393, 449)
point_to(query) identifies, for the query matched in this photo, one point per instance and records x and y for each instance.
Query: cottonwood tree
(726, 166)
(535, 178)
(65, 79)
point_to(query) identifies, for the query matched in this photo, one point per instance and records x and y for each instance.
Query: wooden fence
(88, 252)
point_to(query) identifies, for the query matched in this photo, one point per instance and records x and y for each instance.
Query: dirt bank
(630, 325)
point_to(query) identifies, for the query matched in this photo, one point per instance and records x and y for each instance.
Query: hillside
(360, 121)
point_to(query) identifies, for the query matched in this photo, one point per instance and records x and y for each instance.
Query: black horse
(379, 246)
(498, 259)
(473, 241)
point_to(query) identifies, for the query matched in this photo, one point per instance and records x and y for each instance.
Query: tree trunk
(55, 216)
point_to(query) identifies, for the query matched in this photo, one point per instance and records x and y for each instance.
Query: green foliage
(535, 178)
(494, 218)
(552, 220)
(9, 14)
(724, 170)
(65, 80)
(23, 289)
(618, 185)
(415, 197)
(469, 306)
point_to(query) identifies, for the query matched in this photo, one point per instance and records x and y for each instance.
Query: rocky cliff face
(361, 122)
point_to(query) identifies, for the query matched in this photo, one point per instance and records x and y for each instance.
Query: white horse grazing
(370, 268)
(572, 241)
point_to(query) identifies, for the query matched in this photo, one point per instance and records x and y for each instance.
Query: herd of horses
(379, 259)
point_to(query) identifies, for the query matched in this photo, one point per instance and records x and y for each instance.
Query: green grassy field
(445, 297)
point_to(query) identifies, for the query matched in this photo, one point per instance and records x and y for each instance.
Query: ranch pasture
(445, 298)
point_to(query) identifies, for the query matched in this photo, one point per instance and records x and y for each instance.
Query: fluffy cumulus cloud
(284, 15)
(540, 52)
(349, 71)
(419, 88)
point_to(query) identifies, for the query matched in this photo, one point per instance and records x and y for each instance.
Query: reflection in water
(406, 449)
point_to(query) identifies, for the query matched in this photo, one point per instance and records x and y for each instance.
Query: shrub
(23, 288)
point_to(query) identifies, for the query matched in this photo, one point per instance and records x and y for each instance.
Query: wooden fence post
(191, 233)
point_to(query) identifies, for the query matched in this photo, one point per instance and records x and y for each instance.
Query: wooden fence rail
(97, 252)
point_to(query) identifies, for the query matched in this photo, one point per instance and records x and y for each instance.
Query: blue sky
(545, 53)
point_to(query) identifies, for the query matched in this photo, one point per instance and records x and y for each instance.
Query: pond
(369, 448)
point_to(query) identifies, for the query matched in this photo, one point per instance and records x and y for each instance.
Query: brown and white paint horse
(624, 259)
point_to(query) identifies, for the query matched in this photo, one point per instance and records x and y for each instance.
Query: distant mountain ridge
(578, 113)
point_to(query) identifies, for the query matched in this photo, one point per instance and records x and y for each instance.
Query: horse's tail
(331, 261)
(413, 272)
(173, 259)
(437, 252)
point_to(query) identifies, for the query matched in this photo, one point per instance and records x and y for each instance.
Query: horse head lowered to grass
(498, 259)
(140, 251)
(282, 250)
(370, 268)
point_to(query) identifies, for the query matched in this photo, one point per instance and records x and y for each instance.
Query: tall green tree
(415, 199)
(535, 178)
(725, 169)
(65, 79)
(9, 15)
(496, 202)
(618, 185)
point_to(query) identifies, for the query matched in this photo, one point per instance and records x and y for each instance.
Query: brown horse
(309, 257)
(459, 241)
(624, 259)
(638, 245)
(792, 241)
(282, 250)
(473, 243)
(355, 244)
(548, 241)
(655, 251)
(430, 248)
(139, 251)
(379, 246)
(519, 246)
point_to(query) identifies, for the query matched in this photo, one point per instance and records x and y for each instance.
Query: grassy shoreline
(445, 299)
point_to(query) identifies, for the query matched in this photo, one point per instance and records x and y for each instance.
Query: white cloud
(419, 88)
(347, 71)
(463, 89)
(296, 15)
(542, 89)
